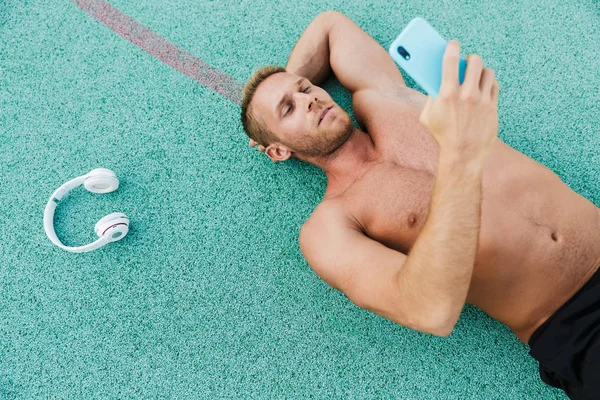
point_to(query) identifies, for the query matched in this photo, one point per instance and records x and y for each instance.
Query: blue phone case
(423, 55)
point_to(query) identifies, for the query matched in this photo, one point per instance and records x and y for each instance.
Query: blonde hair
(253, 126)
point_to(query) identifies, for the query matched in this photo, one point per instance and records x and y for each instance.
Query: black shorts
(567, 345)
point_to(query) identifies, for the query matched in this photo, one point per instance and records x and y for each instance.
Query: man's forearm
(438, 270)
(310, 55)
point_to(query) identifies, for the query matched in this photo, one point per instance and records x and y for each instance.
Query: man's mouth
(323, 115)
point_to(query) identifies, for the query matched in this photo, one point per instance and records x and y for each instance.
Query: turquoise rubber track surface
(209, 296)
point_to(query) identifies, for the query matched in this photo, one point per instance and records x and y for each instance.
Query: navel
(554, 236)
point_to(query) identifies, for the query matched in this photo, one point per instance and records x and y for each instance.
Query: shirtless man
(425, 207)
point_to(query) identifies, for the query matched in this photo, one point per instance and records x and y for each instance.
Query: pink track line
(163, 50)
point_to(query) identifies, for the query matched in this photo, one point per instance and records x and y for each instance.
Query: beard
(326, 143)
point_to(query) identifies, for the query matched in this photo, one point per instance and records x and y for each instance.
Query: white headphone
(110, 228)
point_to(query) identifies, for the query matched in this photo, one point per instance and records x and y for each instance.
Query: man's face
(291, 107)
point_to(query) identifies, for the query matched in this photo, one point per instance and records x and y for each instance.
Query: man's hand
(463, 118)
(260, 147)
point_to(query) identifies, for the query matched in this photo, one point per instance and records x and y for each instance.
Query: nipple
(412, 220)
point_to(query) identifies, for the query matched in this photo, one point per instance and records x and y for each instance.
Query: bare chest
(537, 238)
(391, 201)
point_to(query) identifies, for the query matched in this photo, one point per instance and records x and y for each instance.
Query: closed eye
(306, 90)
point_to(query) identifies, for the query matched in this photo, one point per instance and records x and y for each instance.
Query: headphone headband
(111, 228)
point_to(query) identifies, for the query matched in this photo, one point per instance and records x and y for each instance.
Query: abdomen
(538, 240)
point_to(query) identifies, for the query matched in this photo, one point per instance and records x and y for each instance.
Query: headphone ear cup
(115, 225)
(101, 180)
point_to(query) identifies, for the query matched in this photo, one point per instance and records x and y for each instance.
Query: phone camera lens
(402, 51)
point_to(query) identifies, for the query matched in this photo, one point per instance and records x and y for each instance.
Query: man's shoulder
(327, 211)
(328, 218)
(371, 104)
(324, 237)
(398, 92)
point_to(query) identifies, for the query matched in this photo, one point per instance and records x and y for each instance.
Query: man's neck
(349, 162)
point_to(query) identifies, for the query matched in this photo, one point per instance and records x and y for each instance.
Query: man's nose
(312, 102)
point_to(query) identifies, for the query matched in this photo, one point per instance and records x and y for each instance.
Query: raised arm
(333, 42)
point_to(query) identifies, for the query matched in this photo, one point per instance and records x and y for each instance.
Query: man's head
(282, 112)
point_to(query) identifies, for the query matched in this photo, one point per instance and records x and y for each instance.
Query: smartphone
(419, 50)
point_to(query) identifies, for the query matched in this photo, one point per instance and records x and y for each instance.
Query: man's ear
(278, 152)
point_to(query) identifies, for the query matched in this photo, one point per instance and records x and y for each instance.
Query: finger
(252, 142)
(487, 81)
(450, 67)
(473, 73)
(495, 91)
(261, 148)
